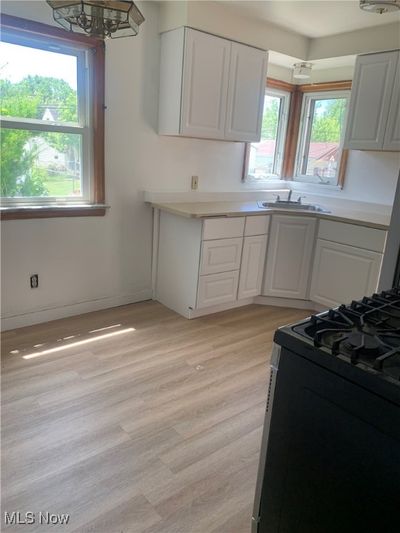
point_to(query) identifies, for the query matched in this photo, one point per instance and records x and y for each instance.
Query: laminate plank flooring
(136, 420)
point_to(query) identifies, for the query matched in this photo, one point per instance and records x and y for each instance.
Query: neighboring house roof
(321, 151)
(51, 113)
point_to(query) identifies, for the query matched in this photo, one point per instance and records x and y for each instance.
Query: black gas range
(330, 457)
(364, 334)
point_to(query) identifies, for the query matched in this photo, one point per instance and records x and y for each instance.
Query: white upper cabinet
(289, 256)
(205, 85)
(392, 134)
(374, 104)
(247, 75)
(210, 87)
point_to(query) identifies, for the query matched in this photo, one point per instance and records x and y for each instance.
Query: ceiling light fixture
(98, 18)
(302, 71)
(380, 6)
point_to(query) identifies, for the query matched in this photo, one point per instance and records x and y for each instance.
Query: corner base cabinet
(289, 257)
(210, 87)
(207, 263)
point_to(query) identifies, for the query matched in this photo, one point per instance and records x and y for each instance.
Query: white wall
(372, 176)
(219, 18)
(373, 39)
(88, 263)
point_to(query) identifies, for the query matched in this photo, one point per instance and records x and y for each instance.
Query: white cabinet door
(252, 266)
(392, 134)
(205, 85)
(217, 289)
(220, 255)
(370, 100)
(343, 273)
(246, 90)
(289, 256)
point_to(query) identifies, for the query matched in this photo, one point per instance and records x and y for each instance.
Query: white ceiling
(285, 61)
(315, 18)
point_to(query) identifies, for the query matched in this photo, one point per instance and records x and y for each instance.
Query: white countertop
(237, 208)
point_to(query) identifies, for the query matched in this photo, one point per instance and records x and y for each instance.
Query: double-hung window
(51, 144)
(265, 158)
(320, 145)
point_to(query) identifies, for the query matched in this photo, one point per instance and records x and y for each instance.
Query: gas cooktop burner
(366, 332)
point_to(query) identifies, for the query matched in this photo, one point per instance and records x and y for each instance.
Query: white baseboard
(54, 313)
(286, 302)
(195, 313)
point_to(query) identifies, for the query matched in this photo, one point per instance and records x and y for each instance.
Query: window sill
(52, 211)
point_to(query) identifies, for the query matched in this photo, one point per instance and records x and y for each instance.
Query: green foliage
(20, 174)
(269, 126)
(328, 119)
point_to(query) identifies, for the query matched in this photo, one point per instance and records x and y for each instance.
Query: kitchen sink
(297, 206)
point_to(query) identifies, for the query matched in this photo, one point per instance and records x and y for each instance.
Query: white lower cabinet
(216, 289)
(343, 273)
(252, 267)
(216, 263)
(289, 257)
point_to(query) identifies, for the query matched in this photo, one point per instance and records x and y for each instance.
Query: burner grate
(365, 332)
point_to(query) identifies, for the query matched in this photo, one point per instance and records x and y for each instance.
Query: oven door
(333, 457)
(276, 350)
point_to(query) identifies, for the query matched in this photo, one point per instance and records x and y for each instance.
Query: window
(50, 117)
(302, 134)
(320, 142)
(265, 158)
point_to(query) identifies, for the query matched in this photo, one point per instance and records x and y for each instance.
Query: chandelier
(98, 18)
(380, 6)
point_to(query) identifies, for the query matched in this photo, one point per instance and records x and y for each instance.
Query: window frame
(305, 129)
(293, 131)
(281, 137)
(91, 62)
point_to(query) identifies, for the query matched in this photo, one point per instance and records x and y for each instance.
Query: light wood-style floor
(153, 430)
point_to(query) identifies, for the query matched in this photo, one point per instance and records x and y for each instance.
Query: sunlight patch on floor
(78, 343)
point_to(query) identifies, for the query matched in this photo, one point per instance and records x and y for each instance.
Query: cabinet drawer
(257, 225)
(217, 289)
(223, 228)
(220, 255)
(360, 236)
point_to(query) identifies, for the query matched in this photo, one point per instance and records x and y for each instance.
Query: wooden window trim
(52, 212)
(29, 27)
(272, 83)
(293, 129)
(292, 135)
(325, 86)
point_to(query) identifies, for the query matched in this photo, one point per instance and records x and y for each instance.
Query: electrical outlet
(34, 281)
(195, 182)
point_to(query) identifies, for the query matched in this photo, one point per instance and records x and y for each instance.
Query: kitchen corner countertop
(234, 209)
